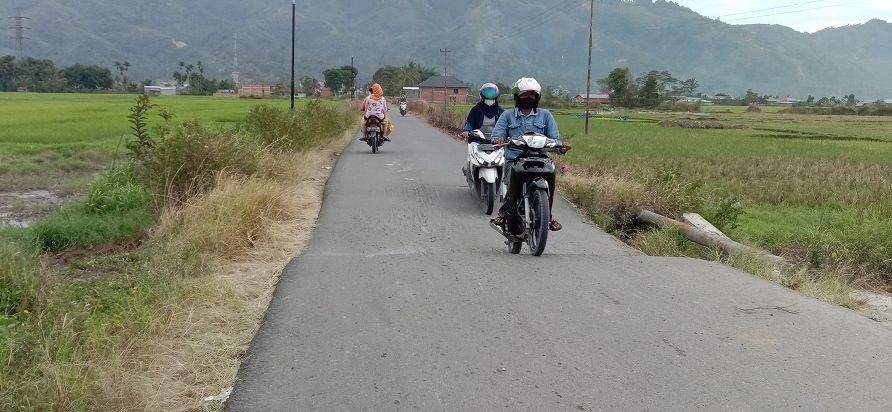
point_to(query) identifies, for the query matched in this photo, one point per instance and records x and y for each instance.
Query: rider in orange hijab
(375, 104)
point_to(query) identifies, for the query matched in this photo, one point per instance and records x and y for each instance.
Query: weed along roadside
(813, 190)
(144, 293)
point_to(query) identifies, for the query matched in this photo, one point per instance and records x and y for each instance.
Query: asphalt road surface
(406, 300)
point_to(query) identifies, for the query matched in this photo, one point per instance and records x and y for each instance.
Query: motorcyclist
(484, 114)
(525, 117)
(375, 105)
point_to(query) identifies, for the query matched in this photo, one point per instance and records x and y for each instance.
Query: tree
(7, 74)
(649, 94)
(810, 101)
(688, 86)
(39, 75)
(394, 78)
(340, 79)
(80, 77)
(850, 100)
(199, 84)
(666, 83)
(752, 97)
(310, 86)
(622, 86)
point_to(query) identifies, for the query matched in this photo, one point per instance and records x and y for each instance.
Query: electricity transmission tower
(20, 29)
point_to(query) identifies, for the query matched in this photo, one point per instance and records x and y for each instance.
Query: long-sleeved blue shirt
(513, 123)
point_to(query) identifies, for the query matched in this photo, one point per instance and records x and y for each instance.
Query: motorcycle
(374, 133)
(528, 218)
(404, 107)
(483, 169)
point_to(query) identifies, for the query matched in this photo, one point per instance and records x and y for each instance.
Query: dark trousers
(514, 188)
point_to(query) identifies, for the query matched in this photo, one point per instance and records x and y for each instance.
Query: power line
(771, 8)
(799, 11)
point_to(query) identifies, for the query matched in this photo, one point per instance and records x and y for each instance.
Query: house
(255, 90)
(593, 98)
(159, 90)
(325, 92)
(441, 88)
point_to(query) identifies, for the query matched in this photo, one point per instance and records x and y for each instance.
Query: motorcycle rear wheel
(540, 215)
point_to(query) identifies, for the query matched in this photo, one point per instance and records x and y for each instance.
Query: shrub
(117, 190)
(188, 160)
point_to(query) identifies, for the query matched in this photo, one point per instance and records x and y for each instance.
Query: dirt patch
(20, 208)
(700, 124)
(94, 261)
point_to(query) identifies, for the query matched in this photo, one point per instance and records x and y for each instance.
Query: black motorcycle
(374, 133)
(532, 174)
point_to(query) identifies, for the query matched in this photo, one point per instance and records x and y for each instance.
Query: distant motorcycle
(404, 107)
(483, 169)
(374, 133)
(528, 218)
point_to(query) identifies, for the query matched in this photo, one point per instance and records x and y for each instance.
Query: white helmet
(526, 84)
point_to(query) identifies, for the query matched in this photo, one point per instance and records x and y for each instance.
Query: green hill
(496, 40)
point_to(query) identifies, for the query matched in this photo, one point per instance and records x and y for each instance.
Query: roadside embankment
(145, 294)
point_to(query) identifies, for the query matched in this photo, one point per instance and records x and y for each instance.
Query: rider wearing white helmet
(525, 117)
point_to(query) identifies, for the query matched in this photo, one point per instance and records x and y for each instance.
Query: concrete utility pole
(353, 81)
(445, 84)
(588, 86)
(19, 28)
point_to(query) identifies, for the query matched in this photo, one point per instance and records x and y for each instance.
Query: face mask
(489, 102)
(526, 102)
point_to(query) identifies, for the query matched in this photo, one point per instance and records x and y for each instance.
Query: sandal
(554, 225)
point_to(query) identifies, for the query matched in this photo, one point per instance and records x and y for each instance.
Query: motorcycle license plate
(373, 129)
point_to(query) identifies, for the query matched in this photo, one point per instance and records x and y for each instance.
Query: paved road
(407, 300)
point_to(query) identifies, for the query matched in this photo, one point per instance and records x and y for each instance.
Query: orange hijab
(377, 91)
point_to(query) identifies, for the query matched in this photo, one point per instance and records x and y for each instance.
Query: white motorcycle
(483, 171)
(404, 107)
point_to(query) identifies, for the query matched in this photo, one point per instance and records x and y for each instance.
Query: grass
(815, 189)
(95, 319)
(58, 141)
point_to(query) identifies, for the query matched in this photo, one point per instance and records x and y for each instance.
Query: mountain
(491, 40)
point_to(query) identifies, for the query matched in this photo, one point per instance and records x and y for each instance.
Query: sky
(802, 15)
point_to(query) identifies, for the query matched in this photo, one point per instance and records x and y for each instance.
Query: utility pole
(353, 81)
(19, 27)
(588, 86)
(293, 25)
(445, 88)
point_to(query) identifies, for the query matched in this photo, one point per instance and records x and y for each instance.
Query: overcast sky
(802, 15)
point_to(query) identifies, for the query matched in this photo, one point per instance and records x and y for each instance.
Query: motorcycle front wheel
(540, 215)
(487, 196)
(373, 141)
